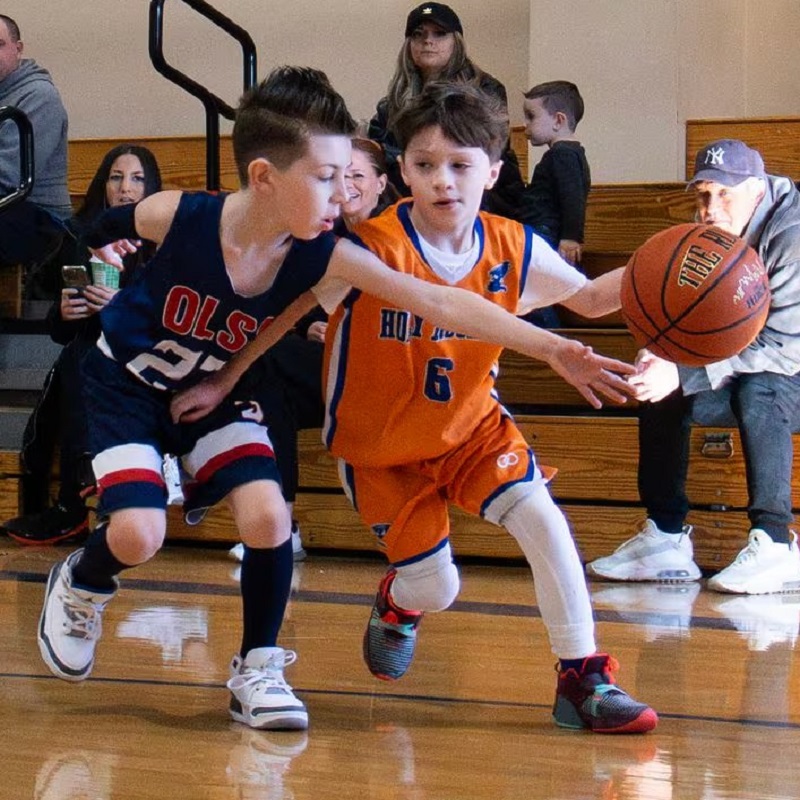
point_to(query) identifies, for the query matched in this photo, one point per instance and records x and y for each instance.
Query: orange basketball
(694, 294)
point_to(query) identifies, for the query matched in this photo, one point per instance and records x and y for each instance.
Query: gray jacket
(30, 88)
(774, 232)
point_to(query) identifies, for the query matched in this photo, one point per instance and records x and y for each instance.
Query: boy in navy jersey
(225, 267)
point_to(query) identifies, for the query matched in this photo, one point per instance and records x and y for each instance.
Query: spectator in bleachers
(32, 230)
(126, 175)
(757, 391)
(434, 50)
(554, 202)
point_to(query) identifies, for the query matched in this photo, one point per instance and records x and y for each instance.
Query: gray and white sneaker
(651, 555)
(764, 566)
(260, 696)
(71, 623)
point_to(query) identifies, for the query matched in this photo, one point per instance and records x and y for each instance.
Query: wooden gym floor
(470, 720)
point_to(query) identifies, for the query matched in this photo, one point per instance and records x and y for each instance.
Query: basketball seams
(646, 308)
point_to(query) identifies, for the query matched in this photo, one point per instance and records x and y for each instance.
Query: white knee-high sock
(542, 532)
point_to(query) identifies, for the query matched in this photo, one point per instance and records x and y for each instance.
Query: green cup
(104, 274)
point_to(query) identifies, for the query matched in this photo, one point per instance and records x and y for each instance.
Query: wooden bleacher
(596, 452)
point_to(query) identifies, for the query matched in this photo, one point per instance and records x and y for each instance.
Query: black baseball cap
(438, 13)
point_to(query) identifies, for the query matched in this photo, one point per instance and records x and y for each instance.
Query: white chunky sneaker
(71, 623)
(651, 555)
(260, 697)
(298, 552)
(762, 567)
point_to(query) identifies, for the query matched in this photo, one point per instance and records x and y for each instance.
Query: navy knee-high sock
(98, 566)
(266, 581)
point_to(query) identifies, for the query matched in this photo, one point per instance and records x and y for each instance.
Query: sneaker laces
(269, 675)
(84, 618)
(748, 553)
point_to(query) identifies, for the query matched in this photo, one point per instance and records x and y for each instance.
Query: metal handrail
(26, 162)
(214, 106)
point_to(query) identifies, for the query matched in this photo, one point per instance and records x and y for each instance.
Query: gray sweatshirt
(30, 89)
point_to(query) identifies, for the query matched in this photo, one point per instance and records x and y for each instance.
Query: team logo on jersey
(251, 410)
(507, 460)
(497, 276)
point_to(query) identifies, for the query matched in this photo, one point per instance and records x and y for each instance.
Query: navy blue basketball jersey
(181, 318)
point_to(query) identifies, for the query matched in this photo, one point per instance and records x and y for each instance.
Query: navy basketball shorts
(130, 430)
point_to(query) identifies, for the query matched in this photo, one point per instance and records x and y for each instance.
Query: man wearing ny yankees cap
(757, 390)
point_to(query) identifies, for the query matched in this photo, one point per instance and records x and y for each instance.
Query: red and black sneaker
(591, 699)
(56, 524)
(391, 635)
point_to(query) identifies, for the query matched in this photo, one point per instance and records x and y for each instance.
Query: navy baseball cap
(438, 13)
(729, 162)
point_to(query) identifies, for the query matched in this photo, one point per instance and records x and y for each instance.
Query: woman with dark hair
(126, 174)
(112, 186)
(434, 50)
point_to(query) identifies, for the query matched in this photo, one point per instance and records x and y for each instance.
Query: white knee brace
(431, 584)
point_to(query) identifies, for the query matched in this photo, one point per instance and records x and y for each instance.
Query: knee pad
(431, 584)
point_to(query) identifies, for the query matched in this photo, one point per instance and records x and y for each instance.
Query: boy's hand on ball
(591, 373)
(655, 377)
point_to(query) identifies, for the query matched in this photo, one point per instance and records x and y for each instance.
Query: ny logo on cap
(427, 10)
(714, 156)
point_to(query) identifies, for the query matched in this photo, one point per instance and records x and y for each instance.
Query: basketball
(694, 294)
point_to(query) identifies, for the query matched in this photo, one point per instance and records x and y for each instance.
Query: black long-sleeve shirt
(554, 203)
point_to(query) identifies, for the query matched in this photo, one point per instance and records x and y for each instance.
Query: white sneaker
(171, 468)
(298, 552)
(764, 619)
(763, 567)
(260, 697)
(71, 623)
(651, 555)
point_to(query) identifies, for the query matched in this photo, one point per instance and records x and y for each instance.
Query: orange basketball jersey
(398, 388)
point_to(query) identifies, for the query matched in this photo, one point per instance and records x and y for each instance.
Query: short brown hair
(465, 114)
(276, 117)
(13, 28)
(560, 96)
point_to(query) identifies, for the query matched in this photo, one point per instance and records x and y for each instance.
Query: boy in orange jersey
(413, 418)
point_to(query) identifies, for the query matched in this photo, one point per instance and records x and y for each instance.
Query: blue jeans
(766, 409)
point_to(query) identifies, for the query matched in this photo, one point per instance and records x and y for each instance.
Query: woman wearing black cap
(434, 49)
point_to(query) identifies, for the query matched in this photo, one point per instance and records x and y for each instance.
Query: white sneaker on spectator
(260, 696)
(764, 619)
(298, 552)
(651, 555)
(71, 623)
(762, 567)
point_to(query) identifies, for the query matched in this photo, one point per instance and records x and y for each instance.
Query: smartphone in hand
(75, 277)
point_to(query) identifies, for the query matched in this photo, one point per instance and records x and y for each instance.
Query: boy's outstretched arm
(468, 313)
(195, 402)
(598, 297)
